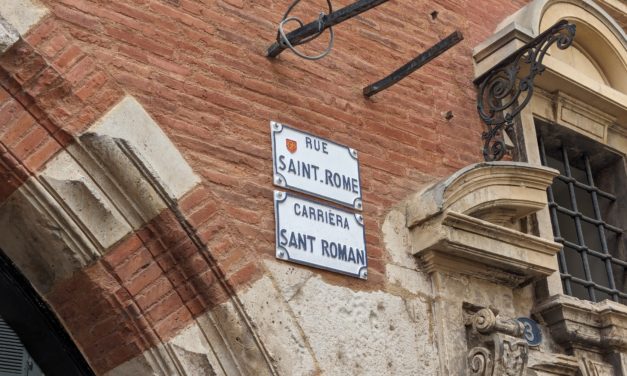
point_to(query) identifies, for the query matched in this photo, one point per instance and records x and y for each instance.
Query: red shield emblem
(292, 146)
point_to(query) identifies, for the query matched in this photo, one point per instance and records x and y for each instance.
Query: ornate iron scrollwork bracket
(496, 345)
(502, 94)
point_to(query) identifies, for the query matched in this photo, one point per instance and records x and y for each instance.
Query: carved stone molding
(579, 324)
(552, 364)
(590, 367)
(113, 180)
(495, 345)
(467, 223)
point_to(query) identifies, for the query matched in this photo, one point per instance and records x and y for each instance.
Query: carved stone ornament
(497, 346)
(468, 223)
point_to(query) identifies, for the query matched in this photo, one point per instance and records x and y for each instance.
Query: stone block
(22, 14)
(130, 123)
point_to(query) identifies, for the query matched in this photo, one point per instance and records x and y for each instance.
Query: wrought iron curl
(502, 94)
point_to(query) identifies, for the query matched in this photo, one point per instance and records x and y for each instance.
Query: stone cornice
(576, 323)
(466, 224)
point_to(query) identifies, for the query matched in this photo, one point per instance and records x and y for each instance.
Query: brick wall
(198, 68)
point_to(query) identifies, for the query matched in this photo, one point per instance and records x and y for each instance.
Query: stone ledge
(459, 243)
(576, 323)
(466, 223)
(498, 192)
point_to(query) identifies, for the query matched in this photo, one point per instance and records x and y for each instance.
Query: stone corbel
(469, 223)
(582, 325)
(496, 346)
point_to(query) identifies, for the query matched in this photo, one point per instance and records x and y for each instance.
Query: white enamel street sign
(314, 165)
(319, 235)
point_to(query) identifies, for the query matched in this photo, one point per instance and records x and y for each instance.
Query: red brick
(244, 275)
(154, 293)
(46, 81)
(203, 214)
(9, 110)
(51, 47)
(122, 250)
(199, 71)
(4, 95)
(79, 71)
(134, 264)
(91, 86)
(18, 128)
(43, 154)
(66, 59)
(173, 324)
(24, 148)
(41, 31)
(164, 307)
(145, 277)
(78, 18)
(194, 198)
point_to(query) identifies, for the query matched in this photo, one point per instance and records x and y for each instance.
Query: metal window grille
(588, 266)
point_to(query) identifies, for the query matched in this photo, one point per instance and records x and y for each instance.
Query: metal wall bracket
(304, 33)
(502, 94)
(415, 64)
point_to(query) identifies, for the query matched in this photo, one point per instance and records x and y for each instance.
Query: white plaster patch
(130, 123)
(22, 14)
(360, 333)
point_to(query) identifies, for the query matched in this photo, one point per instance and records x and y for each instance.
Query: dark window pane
(567, 228)
(598, 271)
(620, 277)
(556, 164)
(584, 202)
(612, 238)
(574, 263)
(605, 204)
(560, 194)
(608, 170)
(600, 295)
(591, 236)
(579, 174)
(580, 291)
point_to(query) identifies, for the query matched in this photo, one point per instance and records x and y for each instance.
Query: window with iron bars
(588, 214)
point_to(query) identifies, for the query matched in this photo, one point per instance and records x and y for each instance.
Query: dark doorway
(47, 344)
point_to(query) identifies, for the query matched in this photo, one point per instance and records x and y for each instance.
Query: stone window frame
(595, 110)
(604, 121)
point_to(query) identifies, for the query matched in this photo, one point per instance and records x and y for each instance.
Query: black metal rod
(554, 222)
(415, 64)
(329, 20)
(579, 229)
(601, 230)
